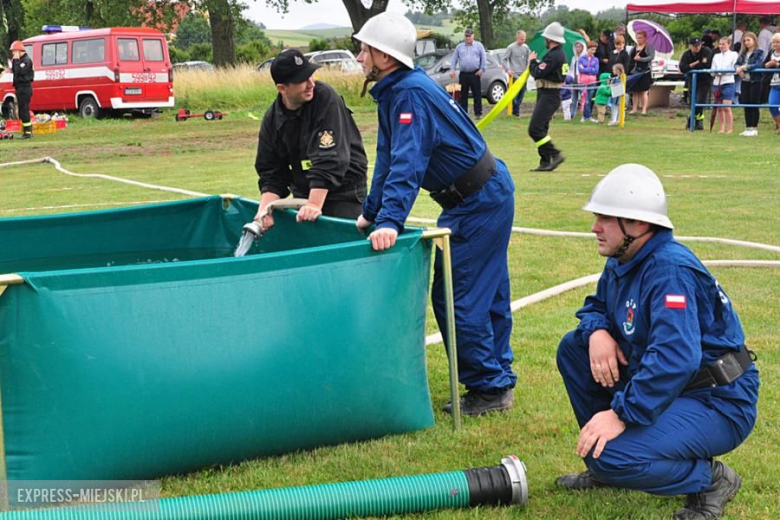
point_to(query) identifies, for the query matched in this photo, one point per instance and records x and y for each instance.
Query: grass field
(718, 186)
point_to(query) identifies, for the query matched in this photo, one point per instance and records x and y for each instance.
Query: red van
(96, 71)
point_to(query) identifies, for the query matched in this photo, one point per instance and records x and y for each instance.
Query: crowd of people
(598, 64)
(657, 371)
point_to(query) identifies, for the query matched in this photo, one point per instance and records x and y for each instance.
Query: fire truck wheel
(8, 111)
(88, 107)
(209, 115)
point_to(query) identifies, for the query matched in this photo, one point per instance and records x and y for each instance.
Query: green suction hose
(503, 484)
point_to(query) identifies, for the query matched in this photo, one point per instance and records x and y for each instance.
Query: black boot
(584, 480)
(709, 504)
(699, 124)
(478, 403)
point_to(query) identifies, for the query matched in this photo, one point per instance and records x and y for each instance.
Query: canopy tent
(769, 7)
(537, 43)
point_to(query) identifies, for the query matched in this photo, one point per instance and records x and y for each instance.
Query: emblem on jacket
(326, 139)
(628, 325)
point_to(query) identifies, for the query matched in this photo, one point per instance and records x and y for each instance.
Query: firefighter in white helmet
(657, 372)
(549, 77)
(426, 140)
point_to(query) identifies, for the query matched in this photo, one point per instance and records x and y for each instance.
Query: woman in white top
(723, 84)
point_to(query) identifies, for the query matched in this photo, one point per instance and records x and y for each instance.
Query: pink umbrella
(657, 35)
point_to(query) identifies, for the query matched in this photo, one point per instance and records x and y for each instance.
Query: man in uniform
(549, 78)
(698, 57)
(22, 68)
(309, 145)
(426, 140)
(657, 372)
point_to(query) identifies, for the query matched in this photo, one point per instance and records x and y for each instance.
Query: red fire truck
(96, 71)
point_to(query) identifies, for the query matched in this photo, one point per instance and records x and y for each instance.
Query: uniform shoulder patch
(327, 140)
(542, 65)
(676, 301)
(405, 118)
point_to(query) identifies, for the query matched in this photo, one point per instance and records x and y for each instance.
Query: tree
(358, 13)
(482, 14)
(194, 28)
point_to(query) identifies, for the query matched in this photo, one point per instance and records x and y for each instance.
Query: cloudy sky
(333, 11)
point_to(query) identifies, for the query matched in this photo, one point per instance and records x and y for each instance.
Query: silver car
(437, 65)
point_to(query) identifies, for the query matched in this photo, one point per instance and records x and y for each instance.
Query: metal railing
(694, 77)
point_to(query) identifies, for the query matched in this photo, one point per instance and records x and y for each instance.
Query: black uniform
(549, 77)
(703, 81)
(316, 146)
(23, 79)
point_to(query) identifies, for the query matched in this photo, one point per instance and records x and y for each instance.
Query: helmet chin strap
(627, 240)
(372, 76)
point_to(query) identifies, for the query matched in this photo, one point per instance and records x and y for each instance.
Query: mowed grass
(718, 186)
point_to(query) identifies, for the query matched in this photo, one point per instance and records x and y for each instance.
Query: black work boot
(26, 135)
(584, 480)
(709, 504)
(699, 124)
(476, 402)
(552, 164)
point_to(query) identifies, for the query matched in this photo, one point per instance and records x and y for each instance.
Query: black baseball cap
(290, 66)
(694, 40)
(468, 32)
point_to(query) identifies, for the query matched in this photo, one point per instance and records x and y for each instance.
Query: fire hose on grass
(504, 484)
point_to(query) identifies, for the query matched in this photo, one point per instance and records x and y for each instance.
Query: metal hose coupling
(504, 484)
(254, 229)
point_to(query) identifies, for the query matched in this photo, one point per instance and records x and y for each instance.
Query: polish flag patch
(675, 301)
(405, 118)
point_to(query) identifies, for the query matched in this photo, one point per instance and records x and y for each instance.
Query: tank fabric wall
(138, 371)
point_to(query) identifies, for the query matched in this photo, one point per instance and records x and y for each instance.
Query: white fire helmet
(631, 191)
(554, 32)
(391, 33)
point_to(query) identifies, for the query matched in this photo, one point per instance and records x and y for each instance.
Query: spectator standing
(641, 56)
(619, 54)
(515, 62)
(773, 62)
(617, 72)
(470, 58)
(588, 67)
(750, 57)
(566, 94)
(603, 94)
(698, 57)
(723, 84)
(765, 44)
(736, 38)
(606, 45)
(580, 50)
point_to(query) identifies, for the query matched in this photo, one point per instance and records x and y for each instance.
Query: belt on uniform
(725, 370)
(468, 183)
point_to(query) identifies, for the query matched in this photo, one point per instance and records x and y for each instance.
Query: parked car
(437, 65)
(266, 65)
(339, 59)
(498, 55)
(666, 69)
(193, 65)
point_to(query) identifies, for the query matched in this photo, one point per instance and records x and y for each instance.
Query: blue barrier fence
(694, 76)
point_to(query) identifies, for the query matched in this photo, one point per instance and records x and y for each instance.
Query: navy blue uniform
(670, 318)
(426, 140)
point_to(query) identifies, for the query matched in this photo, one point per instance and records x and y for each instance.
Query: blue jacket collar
(660, 237)
(384, 85)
